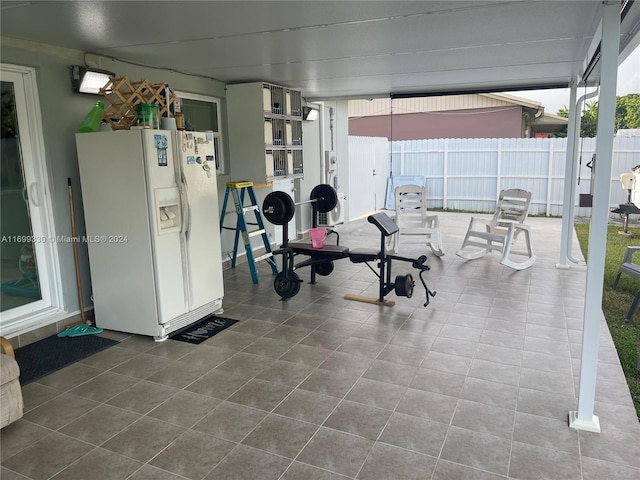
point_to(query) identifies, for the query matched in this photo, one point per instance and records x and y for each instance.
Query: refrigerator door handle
(186, 230)
(182, 183)
(186, 208)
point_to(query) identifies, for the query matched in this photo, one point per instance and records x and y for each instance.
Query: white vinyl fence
(468, 174)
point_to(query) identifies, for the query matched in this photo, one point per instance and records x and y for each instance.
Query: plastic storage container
(148, 115)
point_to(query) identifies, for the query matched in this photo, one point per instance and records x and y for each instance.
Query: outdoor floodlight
(89, 80)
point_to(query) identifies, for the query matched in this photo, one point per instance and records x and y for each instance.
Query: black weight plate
(282, 285)
(296, 284)
(287, 284)
(325, 196)
(273, 209)
(325, 268)
(278, 208)
(404, 285)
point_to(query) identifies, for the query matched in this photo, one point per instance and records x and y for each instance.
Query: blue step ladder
(238, 190)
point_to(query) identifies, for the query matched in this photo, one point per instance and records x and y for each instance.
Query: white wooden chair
(501, 232)
(416, 225)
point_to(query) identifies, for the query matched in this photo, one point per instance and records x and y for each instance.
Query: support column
(569, 199)
(583, 418)
(569, 206)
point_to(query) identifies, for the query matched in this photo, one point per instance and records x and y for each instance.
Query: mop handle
(74, 244)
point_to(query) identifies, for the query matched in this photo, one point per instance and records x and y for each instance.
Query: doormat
(204, 329)
(53, 353)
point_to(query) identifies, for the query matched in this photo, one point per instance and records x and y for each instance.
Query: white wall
(62, 111)
(316, 140)
(311, 151)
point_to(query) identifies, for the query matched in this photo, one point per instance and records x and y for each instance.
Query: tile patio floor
(477, 385)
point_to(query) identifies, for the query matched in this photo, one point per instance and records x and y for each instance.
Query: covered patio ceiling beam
(594, 50)
(443, 92)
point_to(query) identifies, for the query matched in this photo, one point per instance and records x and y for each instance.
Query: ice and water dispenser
(168, 215)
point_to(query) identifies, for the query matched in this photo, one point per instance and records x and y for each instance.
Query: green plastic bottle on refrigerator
(91, 121)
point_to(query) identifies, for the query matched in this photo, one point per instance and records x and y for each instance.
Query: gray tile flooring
(477, 385)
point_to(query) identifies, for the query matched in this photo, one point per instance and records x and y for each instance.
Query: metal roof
(348, 49)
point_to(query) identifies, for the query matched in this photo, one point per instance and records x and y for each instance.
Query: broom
(74, 243)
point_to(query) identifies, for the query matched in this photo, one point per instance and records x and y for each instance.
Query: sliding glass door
(28, 254)
(19, 277)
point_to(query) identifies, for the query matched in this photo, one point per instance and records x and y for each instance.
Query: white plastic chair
(413, 220)
(501, 232)
(633, 269)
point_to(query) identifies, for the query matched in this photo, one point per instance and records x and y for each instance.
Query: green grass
(616, 303)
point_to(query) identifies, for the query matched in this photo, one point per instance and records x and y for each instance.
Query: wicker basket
(122, 96)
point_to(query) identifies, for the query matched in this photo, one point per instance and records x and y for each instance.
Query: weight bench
(403, 284)
(278, 207)
(287, 282)
(321, 259)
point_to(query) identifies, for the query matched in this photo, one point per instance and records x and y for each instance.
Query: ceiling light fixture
(89, 80)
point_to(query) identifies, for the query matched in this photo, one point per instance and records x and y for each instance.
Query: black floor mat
(204, 329)
(53, 353)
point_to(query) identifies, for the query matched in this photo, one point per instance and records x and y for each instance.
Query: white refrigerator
(151, 213)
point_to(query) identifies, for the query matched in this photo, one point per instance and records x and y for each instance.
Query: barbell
(278, 207)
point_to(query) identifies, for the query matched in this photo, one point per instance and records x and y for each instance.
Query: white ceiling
(333, 49)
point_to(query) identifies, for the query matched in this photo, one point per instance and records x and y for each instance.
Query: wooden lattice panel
(122, 96)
